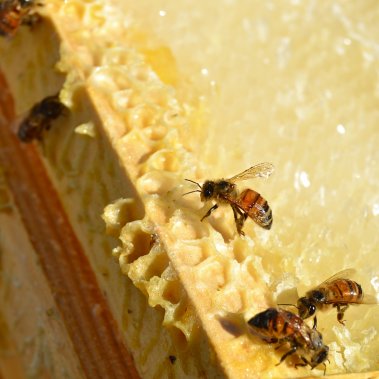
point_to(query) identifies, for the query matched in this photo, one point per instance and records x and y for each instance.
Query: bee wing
(350, 273)
(344, 274)
(369, 299)
(296, 322)
(260, 170)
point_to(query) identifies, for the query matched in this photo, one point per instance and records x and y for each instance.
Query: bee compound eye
(312, 309)
(208, 189)
(321, 357)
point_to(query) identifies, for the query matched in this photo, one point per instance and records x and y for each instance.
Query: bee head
(306, 307)
(26, 3)
(320, 356)
(207, 191)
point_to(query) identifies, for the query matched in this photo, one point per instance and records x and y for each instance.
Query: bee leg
(290, 352)
(280, 345)
(315, 322)
(239, 218)
(340, 313)
(305, 363)
(324, 368)
(209, 212)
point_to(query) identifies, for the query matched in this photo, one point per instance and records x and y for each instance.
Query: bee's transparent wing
(348, 273)
(296, 323)
(369, 299)
(260, 170)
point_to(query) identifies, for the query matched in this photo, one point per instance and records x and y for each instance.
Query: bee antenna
(187, 193)
(189, 180)
(291, 305)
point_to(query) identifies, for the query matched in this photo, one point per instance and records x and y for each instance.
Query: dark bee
(276, 325)
(39, 118)
(338, 291)
(14, 13)
(246, 204)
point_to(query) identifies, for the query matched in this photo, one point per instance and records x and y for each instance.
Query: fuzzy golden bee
(246, 204)
(14, 13)
(338, 291)
(39, 118)
(276, 325)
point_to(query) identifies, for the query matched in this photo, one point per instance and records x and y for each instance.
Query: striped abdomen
(31, 128)
(273, 325)
(343, 291)
(256, 207)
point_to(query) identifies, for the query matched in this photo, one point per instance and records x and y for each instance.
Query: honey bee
(14, 13)
(248, 203)
(39, 118)
(338, 291)
(276, 325)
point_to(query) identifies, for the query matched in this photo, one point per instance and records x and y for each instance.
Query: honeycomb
(243, 276)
